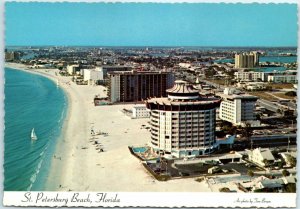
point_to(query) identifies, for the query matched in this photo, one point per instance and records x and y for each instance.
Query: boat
(33, 135)
(57, 82)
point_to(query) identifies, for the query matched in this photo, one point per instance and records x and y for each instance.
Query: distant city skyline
(148, 24)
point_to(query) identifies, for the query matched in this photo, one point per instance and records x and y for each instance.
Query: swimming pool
(139, 149)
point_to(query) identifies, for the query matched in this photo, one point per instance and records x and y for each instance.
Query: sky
(150, 24)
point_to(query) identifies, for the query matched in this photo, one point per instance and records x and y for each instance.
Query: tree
(250, 173)
(229, 129)
(291, 188)
(280, 164)
(279, 111)
(247, 132)
(258, 116)
(210, 72)
(224, 189)
(285, 172)
(292, 161)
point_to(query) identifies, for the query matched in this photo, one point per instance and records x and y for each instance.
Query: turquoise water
(31, 101)
(139, 149)
(281, 59)
(270, 69)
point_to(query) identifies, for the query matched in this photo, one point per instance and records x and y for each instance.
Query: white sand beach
(78, 166)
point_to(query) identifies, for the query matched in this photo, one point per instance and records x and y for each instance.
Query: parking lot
(240, 167)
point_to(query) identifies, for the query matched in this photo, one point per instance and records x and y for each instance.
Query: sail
(33, 135)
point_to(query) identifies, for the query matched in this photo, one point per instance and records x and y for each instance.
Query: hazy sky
(146, 24)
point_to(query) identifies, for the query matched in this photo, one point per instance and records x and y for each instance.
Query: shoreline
(53, 78)
(78, 165)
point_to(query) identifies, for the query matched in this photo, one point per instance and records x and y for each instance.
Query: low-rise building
(256, 86)
(252, 86)
(283, 78)
(260, 156)
(250, 76)
(140, 111)
(287, 157)
(269, 184)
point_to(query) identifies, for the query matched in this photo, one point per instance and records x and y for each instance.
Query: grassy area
(217, 81)
(263, 95)
(281, 85)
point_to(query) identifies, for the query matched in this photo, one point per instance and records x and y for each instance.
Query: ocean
(31, 101)
(283, 59)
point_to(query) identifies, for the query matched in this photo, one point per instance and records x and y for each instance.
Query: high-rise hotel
(247, 60)
(183, 123)
(133, 86)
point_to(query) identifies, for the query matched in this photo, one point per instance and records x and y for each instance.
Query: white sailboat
(33, 135)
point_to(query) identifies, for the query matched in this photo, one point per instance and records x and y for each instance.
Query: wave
(40, 105)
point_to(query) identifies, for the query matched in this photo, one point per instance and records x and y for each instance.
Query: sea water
(31, 101)
(282, 59)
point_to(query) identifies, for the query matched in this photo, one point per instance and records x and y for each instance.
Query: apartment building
(133, 86)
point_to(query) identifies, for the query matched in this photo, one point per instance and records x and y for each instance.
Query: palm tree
(247, 131)
(292, 160)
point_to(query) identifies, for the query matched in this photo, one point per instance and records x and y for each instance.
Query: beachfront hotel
(238, 108)
(134, 86)
(183, 123)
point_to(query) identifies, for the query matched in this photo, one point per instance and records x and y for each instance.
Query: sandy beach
(78, 166)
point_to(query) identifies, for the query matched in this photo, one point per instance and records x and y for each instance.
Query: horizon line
(149, 46)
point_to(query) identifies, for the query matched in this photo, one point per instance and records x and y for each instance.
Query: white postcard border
(145, 199)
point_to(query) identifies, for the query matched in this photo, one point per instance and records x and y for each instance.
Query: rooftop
(168, 101)
(233, 94)
(182, 87)
(136, 72)
(183, 93)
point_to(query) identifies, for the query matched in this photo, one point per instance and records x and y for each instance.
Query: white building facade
(114, 91)
(140, 111)
(283, 78)
(92, 75)
(261, 156)
(237, 109)
(183, 124)
(250, 76)
(71, 69)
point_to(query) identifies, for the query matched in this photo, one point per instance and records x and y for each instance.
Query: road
(268, 105)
